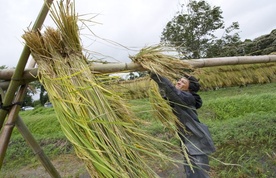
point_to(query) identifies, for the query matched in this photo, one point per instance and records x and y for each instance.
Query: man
(184, 101)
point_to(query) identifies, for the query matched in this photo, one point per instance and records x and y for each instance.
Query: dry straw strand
(155, 60)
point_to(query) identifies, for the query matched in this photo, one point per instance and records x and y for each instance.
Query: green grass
(242, 122)
(44, 126)
(243, 125)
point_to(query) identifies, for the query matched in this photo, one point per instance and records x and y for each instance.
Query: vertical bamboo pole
(15, 80)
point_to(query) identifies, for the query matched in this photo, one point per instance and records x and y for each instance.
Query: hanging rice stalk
(161, 108)
(210, 78)
(101, 127)
(153, 59)
(238, 75)
(131, 89)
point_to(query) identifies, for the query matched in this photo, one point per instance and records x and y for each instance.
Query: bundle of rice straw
(154, 59)
(161, 108)
(97, 122)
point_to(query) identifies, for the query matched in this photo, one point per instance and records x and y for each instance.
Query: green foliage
(43, 96)
(226, 45)
(43, 123)
(3, 67)
(191, 31)
(263, 45)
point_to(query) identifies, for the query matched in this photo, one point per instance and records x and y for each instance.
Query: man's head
(188, 83)
(182, 84)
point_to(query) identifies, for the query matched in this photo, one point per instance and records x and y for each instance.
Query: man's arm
(173, 94)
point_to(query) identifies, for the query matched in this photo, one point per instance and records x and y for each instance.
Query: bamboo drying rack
(16, 80)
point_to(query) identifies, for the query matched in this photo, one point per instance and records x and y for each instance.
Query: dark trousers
(200, 167)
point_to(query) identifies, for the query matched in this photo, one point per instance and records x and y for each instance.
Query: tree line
(192, 33)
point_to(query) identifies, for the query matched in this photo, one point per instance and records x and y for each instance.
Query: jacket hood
(198, 100)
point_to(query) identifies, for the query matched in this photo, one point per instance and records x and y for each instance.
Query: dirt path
(71, 166)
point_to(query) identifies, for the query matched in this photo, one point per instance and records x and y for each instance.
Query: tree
(43, 96)
(192, 33)
(28, 101)
(3, 67)
(227, 45)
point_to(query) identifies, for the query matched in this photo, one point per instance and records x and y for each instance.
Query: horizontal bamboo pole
(6, 74)
(30, 74)
(237, 60)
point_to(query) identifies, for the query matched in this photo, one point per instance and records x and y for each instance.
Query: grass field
(242, 121)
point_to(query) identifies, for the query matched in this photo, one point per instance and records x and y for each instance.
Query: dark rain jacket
(198, 139)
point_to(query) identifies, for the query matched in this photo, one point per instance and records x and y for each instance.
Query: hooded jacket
(184, 104)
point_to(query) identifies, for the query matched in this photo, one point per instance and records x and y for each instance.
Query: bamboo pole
(13, 116)
(31, 73)
(9, 125)
(237, 60)
(17, 75)
(15, 120)
(6, 74)
(22, 128)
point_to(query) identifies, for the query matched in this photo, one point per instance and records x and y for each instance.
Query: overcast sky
(132, 23)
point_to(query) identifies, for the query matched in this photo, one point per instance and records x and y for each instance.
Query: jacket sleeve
(172, 93)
